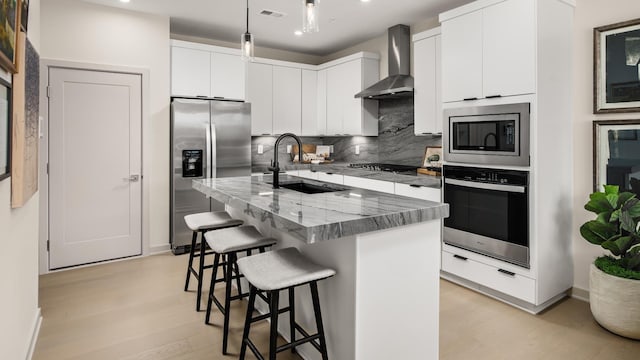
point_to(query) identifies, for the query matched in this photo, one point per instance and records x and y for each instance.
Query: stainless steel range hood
(399, 83)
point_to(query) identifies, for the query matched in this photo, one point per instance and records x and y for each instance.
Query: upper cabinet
(287, 100)
(259, 94)
(489, 52)
(427, 78)
(206, 71)
(345, 114)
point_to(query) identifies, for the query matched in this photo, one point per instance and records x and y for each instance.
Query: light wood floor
(136, 309)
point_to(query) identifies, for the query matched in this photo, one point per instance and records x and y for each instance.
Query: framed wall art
(9, 28)
(5, 129)
(617, 67)
(616, 154)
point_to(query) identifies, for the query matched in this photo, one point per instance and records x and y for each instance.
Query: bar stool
(229, 242)
(201, 223)
(282, 270)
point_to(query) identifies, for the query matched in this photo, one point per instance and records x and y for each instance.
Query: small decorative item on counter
(431, 161)
(311, 154)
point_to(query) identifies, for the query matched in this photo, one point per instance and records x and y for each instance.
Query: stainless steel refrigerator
(209, 138)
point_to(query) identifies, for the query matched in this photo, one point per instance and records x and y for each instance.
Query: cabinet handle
(329, 173)
(313, 170)
(415, 185)
(218, 97)
(470, 99)
(506, 272)
(493, 96)
(460, 257)
(427, 133)
(266, 134)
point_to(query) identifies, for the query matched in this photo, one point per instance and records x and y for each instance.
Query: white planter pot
(615, 303)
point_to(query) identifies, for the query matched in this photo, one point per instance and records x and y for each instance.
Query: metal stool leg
(292, 317)
(231, 260)
(273, 334)
(316, 310)
(214, 276)
(247, 322)
(200, 270)
(190, 265)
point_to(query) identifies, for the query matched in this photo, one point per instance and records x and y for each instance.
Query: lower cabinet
(498, 279)
(331, 177)
(308, 174)
(369, 184)
(418, 192)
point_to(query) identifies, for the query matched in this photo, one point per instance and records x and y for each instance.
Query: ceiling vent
(272, 13)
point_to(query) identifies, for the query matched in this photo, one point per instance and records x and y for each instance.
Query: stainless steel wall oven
(488, 212)
(496, 134)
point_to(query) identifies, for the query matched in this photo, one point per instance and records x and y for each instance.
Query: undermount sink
(308, 188)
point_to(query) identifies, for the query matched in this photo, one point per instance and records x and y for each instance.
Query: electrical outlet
(260, 149)
(357, 149)
(331, 149)
(288, 149)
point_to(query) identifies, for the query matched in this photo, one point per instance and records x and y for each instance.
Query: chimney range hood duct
(399, 83)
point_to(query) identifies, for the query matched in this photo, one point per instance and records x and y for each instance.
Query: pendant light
(246, 41)
(310, 16)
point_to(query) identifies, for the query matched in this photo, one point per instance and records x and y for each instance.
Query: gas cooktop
(383, 167)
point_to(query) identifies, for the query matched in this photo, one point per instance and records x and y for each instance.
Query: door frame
(43, 181)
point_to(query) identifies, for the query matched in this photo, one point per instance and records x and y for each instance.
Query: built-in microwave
(487, 135)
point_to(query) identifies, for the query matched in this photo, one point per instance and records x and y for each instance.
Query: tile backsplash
(395, 143)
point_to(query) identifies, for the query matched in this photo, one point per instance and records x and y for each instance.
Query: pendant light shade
(246, 41)
(310, 12)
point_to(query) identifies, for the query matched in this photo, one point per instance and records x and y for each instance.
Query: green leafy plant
(616, 226)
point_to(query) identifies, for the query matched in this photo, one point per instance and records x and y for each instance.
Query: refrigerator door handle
(214, 154)
(208, 160)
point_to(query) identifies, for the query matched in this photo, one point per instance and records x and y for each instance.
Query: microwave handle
(486, 186)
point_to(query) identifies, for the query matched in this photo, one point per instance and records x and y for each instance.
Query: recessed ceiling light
(298, 33)
(365, 0)
(125, 1)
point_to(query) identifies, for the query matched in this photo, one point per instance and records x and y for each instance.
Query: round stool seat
(210, 221)
(281, 269)
(237, 239)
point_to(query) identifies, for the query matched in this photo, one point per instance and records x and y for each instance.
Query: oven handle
(480, 185)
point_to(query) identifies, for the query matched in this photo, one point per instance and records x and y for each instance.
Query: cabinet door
(335, 100)
(287, 99)
(462, 57)
(509, 48)
(227, 76)
(322, 103)
(352, 108)
(190, 72)
(331, 177)
(425, 102)
(370, 184)
(310, 103)
(419, 192)
(259, 94)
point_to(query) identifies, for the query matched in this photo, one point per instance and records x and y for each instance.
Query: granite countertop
(343, 168)
(323, 216)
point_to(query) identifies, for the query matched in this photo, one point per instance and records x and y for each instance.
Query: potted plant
(615, 280)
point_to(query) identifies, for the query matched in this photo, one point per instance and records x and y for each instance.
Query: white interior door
(95, 184)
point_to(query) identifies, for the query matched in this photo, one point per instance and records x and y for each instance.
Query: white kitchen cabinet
(489, 52)
(462, 57)
(321, 107)
(509, 48)
(287, 100)
(369, 184)
(427, 76)
(190, 72)
(310, 100)
(330, 177)
(308, 174)
(345, 114)
(419, 192)
(259, 94)
(206, 71)
(227, 76)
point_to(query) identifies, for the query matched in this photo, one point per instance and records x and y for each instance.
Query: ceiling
(343, 23)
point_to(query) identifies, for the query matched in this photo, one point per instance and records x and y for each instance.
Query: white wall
(77, 31)
(19, 311)
(589, 14)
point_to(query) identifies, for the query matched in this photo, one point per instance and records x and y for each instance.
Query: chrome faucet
(275, 166)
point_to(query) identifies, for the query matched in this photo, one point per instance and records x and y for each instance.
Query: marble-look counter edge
(281, 217)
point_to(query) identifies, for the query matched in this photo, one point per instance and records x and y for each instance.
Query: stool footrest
(267, 315)
(254, 349)
(307, 336)
(300, 342)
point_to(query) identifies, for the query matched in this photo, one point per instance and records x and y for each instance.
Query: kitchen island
(383, 302)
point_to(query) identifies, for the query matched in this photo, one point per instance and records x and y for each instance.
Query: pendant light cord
(247, 16)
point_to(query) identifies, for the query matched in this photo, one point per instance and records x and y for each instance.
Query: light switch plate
(357, 149)
(260, 149)
(288, 149)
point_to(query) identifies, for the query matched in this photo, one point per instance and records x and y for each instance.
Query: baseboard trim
(34, 334)
(580, 294)
(153, 250)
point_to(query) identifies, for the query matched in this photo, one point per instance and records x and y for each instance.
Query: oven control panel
(486, 175)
